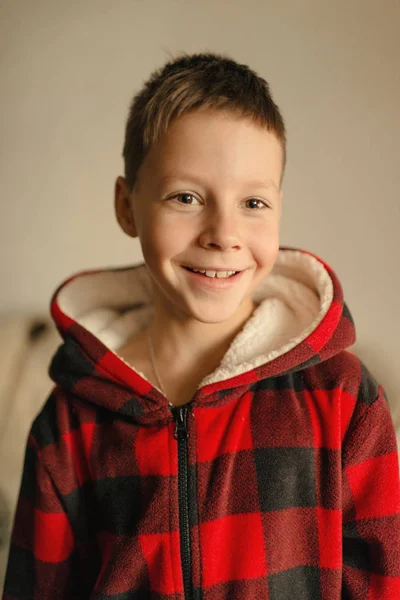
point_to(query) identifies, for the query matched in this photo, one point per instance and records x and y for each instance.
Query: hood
(300, 320)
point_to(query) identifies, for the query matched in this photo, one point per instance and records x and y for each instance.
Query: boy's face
(207, 197)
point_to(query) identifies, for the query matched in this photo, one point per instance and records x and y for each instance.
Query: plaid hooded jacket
(278, 481)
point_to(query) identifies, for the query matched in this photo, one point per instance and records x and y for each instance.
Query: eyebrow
(267, 184)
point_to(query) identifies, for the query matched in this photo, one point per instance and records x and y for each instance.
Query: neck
(190, 344)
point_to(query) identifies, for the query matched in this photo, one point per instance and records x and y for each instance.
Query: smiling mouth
(213, 274)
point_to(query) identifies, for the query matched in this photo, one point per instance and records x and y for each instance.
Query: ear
(123, 208)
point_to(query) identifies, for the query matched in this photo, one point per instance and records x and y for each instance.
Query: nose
(221, 232)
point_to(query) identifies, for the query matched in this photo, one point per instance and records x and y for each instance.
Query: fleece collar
(292, 302)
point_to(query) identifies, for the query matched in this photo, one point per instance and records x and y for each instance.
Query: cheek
(159, 243)
(264, 245)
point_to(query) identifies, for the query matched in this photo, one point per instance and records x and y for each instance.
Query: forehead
(176, 175)
(205, 145)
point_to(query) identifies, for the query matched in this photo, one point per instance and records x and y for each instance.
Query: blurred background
(68, 71)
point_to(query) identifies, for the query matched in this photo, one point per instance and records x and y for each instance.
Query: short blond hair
(196, 82)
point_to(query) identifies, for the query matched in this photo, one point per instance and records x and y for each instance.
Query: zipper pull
(180, 414)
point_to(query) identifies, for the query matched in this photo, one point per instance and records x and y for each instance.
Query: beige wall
(67, 73)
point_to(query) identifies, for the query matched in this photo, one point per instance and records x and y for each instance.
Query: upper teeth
(218, 274)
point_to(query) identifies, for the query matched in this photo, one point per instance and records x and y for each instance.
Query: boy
(209, 435)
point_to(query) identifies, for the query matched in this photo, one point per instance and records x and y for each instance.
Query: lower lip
(215, 283)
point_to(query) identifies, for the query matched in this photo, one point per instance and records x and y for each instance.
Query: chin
(219, 314)
(210, 319)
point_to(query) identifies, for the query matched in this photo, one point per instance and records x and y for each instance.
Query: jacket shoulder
(60, 415)
(345, 371)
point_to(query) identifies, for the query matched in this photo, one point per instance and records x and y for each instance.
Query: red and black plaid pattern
(293, 482)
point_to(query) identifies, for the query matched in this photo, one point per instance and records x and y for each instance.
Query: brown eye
(256, 203)
(185, 198)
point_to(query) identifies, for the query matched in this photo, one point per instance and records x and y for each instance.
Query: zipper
(181, 435)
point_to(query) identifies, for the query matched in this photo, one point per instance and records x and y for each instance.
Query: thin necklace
(153, 363)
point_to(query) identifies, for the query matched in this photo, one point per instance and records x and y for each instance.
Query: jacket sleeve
(41, 556)
(371, 501)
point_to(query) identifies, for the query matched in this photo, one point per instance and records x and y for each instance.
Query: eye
(186, 198)
(256, 203)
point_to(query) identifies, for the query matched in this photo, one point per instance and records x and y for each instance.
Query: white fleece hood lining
(291, 302)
